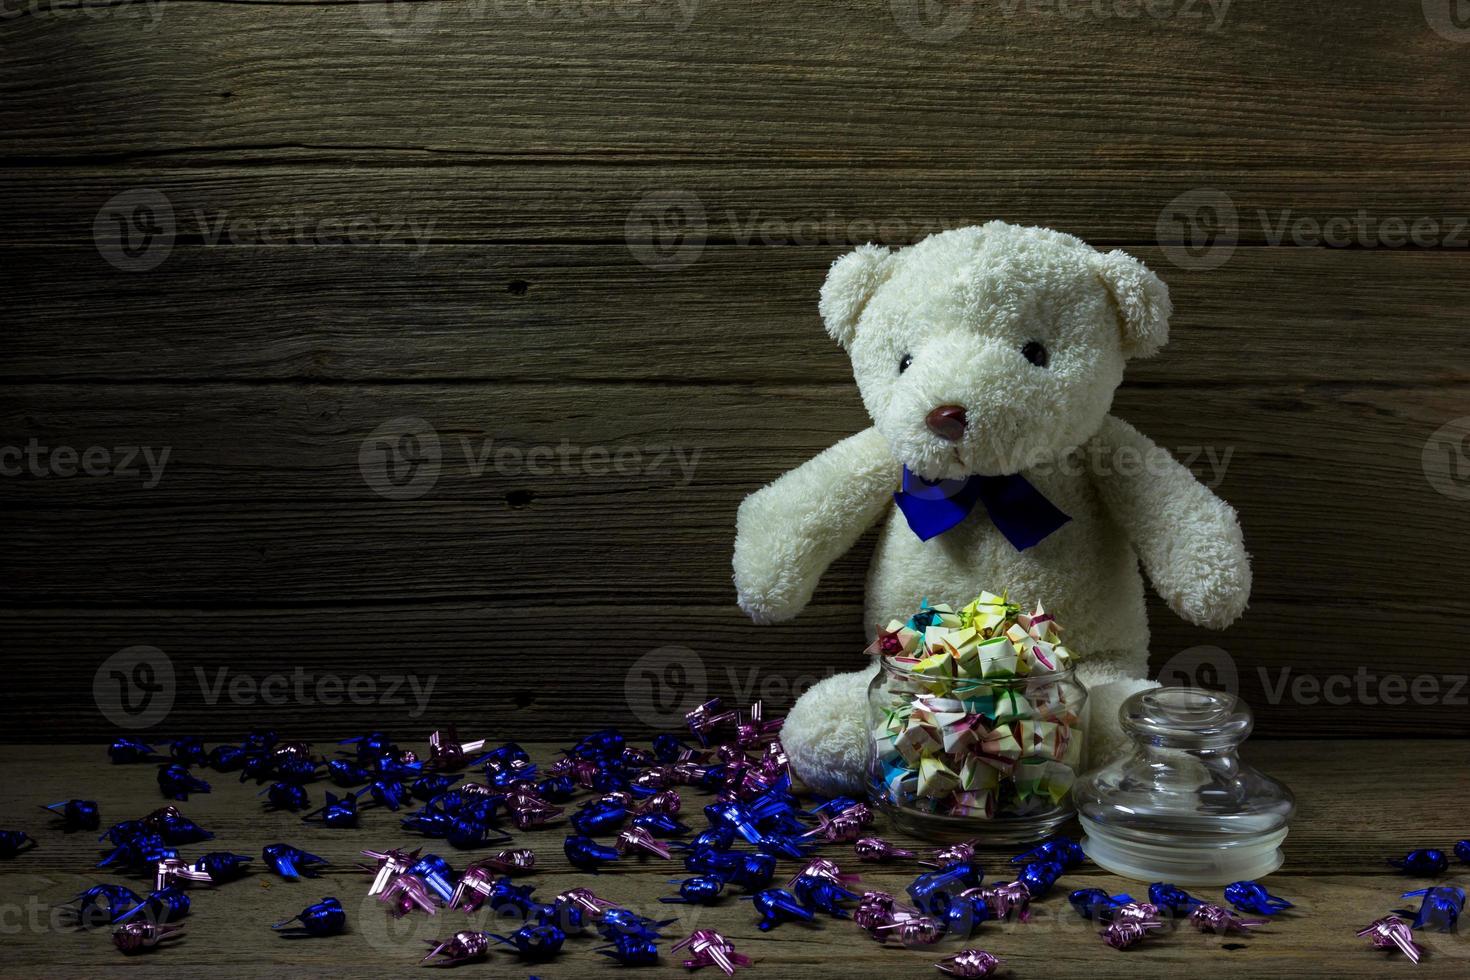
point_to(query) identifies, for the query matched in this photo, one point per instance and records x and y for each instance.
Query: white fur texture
(826, 735)
(962, 305)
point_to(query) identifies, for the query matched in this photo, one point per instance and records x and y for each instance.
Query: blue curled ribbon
(1018, 510)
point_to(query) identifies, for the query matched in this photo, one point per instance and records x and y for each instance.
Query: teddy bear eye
(1035, 352)
(904, 362)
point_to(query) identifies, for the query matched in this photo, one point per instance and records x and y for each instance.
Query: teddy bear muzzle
(947, 422)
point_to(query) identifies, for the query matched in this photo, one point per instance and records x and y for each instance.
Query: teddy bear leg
(826, 735)
(1111, 678)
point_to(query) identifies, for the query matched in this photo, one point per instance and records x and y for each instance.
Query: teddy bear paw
(826, 735)
(765, 608)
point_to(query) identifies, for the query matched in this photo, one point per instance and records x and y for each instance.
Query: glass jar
(959, 758)
(1183, 807)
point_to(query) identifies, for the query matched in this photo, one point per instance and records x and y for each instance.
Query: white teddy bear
(991, 352)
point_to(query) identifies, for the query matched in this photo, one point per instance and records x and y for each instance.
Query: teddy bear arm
(1188, 539)
(788, 532)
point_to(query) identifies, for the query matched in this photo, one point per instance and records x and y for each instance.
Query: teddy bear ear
(851, 282)
(1143, 302)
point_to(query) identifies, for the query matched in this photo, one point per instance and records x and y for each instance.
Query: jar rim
(891, 665)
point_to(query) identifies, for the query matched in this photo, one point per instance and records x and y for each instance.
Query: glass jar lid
(1187, 718)
(1182, 806)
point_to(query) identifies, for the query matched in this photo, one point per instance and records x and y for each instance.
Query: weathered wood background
(580, 243)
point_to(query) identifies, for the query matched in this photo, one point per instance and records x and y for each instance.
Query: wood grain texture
(641, 667)
(732, 82)
(733, 315)
(606, 225)
(1335, 873)
(463, 197)
(266, 495)
(265, 510)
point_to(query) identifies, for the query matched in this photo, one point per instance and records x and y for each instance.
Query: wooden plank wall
(578, 245)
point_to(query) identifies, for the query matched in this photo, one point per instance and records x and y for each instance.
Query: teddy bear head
(991, 349)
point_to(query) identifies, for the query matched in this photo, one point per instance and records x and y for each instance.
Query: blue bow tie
(1018, 510)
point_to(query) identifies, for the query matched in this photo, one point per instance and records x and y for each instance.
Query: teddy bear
(987, 358)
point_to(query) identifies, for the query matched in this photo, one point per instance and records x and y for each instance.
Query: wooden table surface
(1359, 803)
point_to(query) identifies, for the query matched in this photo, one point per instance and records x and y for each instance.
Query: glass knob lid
(1182, 802)
(1187, 718)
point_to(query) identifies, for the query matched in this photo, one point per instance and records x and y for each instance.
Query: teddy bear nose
(947, 422)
